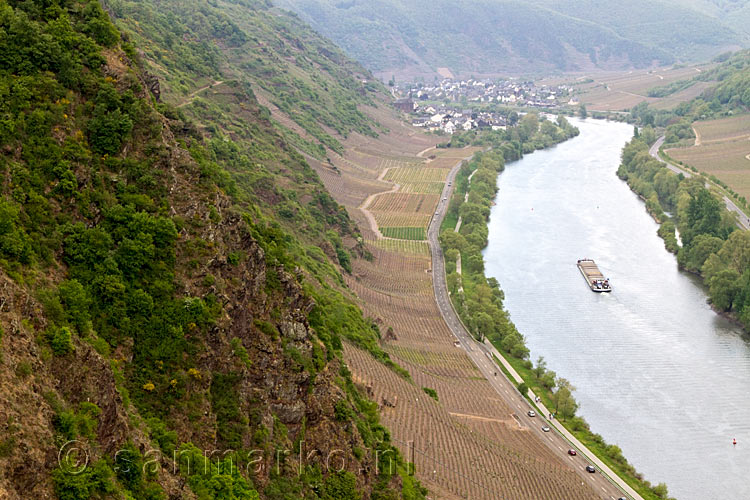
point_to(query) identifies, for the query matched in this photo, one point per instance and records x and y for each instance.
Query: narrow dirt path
(481, 418)
(371, 218)
(697, 136)
(191, 97)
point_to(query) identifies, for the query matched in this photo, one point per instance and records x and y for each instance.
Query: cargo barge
(596, 280)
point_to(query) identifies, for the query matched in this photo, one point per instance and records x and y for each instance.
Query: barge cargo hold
(596, 280)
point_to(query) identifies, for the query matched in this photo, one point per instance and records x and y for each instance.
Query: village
(453, 105)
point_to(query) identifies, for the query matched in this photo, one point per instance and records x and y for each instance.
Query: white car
(531, 413)
(546, 429)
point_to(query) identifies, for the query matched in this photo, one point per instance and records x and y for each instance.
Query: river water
(656, 371)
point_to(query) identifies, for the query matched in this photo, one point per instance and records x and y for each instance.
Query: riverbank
(713, 244)
(607, 480)
(466, 290)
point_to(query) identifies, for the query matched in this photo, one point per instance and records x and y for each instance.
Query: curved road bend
(605, 481)
(743, 221)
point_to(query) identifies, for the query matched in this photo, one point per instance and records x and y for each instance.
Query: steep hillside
(153, 313)
(735, 13)
(507, 36)
(685, 33)
(193, 45)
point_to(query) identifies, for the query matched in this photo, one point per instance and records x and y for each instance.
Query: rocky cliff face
(149, 311)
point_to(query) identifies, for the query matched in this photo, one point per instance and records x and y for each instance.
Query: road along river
(657, 372)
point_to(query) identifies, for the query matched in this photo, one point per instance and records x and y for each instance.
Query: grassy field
(723, 151)
(404, 233)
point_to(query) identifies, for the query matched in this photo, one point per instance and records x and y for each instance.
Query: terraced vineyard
(722, 149)
(404, 248)
(405, 203)
(620, 91)
(404, 233)
(725, 129)
(468, 444)
(345, 183)
(395, 219)
(492, 460)
(443, 162)
(422, 187)
(401, 175)
(394, 163)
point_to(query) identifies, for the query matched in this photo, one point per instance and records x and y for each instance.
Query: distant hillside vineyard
(484, 37)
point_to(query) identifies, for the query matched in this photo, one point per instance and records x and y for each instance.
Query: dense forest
(152, 306)
(711, 245)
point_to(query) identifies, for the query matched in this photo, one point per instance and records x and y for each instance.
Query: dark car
(590, 468)
(572, 452)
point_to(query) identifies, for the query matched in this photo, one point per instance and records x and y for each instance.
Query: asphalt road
(743, 221)
(480, 355)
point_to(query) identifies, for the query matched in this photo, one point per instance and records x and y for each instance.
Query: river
(656, 371)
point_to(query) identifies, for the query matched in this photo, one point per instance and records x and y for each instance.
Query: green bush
(241, 352)
(431, 392)
(108, 130)
(61, 341)
(341, 486)
(165, 438)
(342, 411)
(213, 479)
(95, 481)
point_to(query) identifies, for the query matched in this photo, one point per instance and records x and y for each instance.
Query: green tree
(548, 379)
(77, 303)
(660, 490)
(540, 367)
(736, 251)
(484, 324)
(694, 256)
(703, 216)
(528, 126)
(62, 341)
(563, 399)
(99, 26)
(523, 388)
(723, 287)
(108, 130)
